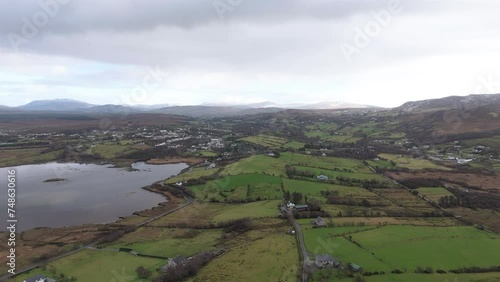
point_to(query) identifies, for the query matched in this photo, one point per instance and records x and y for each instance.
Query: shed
(319, 222)
(322, 177)
(301, 207)
(355, 267)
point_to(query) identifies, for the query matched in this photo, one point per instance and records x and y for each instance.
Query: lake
(90, 193)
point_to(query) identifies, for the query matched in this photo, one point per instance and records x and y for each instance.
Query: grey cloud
(130, 15)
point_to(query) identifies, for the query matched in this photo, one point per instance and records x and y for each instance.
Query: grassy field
(168, 242)
(434, 193)
(415, 221)
(112, 150)
(264, 254)
(268, 141)
(207, 154)
(294, 145)
(334, 174)
(445, 248)
(203, 213)
(256, 164)
(252, 210)
(324, 162)
(13, 157)
(319, 241)
(412, 163)
(276, 166)
(407, 247)
(92, 265)
(337, 138)
(314, 188)
(239, 188)
(194, 173)
(385, 164)
(493, 142)
(435, 277)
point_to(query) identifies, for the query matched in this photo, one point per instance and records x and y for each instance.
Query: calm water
(91, 193)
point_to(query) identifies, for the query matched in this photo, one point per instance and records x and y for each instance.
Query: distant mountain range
(56, 105)
(220, 110)
(457, 102)
(207, 109)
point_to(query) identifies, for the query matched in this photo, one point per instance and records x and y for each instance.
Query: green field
(240, 187)
(92, 265)
(168, 242)
(435, 277)
(194, 173)
(318, 241)
(268, 141)
(496, 167)
(407, 247)
(112, 150)
(438, 247)
(251, 210)
(337, 138)
(276, 166)
(267, 256)
(334, 174)
(256, 164)
(13, 157)
(384, 164)
(314, 188)
(207, 154)
(434, 193)
(492, 142)
(412, 163)
(294, 145)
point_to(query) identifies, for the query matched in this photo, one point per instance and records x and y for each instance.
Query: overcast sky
(381, 53)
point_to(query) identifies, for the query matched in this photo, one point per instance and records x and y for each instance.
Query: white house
(290, 205)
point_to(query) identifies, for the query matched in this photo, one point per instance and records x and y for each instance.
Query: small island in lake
(55, 180)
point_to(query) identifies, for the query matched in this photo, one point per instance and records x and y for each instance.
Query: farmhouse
(319, 222)
(39, 278)
(322, 261)
(290, 205)
(174, 262)
(322, 177)
(301, 208)
(355, 267)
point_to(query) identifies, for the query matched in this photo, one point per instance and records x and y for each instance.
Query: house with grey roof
(301, 207)
(319, 222)
(174, 262)
(39, 278)
(322, 177)
(325, 260)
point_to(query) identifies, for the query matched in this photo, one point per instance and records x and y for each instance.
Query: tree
(314, 204)
(297, 197)
(287, 196)
(143, 272)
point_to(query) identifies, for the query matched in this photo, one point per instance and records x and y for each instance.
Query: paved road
(302, 245)
(92, 245)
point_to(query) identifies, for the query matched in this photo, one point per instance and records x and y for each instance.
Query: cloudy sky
(378, 52)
